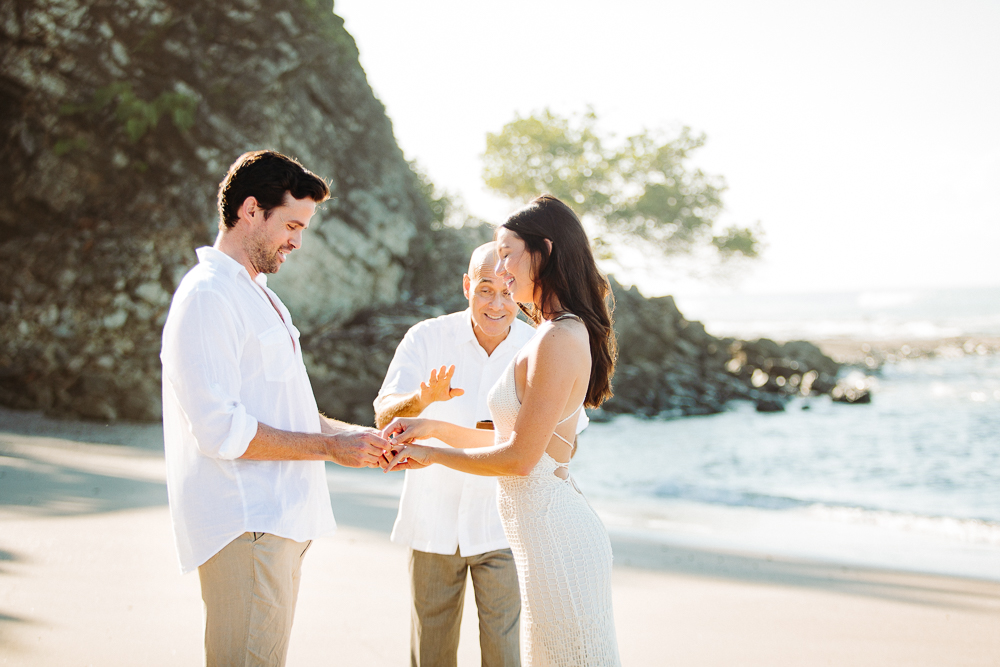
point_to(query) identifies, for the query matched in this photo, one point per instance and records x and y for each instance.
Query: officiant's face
(493, 310)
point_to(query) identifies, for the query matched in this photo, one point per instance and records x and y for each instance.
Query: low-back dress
(562, 553)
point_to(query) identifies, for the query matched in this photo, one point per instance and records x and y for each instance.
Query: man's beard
(261, 256)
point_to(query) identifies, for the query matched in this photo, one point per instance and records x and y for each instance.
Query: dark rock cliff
(118, 118)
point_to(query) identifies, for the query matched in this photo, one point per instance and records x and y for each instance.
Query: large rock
(669, 366)
(118, 118)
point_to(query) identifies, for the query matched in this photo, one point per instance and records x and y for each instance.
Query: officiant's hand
(438, 387)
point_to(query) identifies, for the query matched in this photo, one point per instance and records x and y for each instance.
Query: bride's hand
(408, 429)
(408, 457)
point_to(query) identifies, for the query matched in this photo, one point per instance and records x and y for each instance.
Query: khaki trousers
(438, 595)
(249, 589)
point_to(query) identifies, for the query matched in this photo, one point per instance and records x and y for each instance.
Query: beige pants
(438, 595)
(249, 589)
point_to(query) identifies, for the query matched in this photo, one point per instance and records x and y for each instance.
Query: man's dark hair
(266, 176)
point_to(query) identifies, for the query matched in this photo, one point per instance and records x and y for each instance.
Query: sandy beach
(89, 576)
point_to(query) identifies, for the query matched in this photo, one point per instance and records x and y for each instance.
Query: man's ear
(250, 210)
(466, 284)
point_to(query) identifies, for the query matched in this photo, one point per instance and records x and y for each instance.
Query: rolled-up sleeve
(202, 346)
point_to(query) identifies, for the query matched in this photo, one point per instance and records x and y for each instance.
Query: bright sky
(864, 135)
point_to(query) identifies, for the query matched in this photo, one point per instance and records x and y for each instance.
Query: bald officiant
(444, 369)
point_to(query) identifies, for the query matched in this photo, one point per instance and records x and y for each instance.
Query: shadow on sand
(912, 588)
(376, 512)
(34, 482)
(147, 436)
(42, 488)
(38, 486)
(6, 557)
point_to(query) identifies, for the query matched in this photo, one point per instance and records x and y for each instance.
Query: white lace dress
(563, 557)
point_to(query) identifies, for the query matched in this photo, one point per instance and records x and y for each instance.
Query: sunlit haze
(862, 135)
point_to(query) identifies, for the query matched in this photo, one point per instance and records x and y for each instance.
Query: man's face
(493, 310)
(272, 239)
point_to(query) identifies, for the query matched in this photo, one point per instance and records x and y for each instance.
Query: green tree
(640, 191)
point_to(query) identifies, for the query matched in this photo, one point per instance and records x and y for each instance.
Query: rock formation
(667, 366)
(118, 118)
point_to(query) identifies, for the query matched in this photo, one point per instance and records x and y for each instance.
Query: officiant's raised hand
(438, 387)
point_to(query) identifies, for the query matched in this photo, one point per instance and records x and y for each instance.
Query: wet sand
(88, 576)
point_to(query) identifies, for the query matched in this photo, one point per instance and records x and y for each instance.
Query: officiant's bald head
(493, 310)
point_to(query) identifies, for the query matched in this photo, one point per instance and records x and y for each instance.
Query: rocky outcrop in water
(117, 120)
(667, 366)
(670, 367)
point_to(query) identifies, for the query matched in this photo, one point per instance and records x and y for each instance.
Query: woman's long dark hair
(570, 274)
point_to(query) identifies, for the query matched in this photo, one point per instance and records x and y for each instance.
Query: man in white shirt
(244, 440)
(444, 369)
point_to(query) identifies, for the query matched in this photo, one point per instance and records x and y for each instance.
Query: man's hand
(360, 448)
(412, 404)
(438, 387)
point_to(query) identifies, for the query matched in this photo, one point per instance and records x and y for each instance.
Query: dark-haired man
(245, 443)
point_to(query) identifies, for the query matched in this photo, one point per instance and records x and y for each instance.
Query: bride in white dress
(560, 546)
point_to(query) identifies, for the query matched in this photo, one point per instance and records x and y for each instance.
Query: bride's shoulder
(567, 337)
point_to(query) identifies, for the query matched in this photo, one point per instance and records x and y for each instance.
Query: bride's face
(515, 266)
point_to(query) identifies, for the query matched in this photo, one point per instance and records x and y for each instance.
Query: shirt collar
(466, 334)
(226, 264)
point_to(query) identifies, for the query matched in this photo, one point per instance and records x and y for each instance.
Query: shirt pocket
(278, 357)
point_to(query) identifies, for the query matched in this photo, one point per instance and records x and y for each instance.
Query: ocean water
(897, 314)
(910, 481)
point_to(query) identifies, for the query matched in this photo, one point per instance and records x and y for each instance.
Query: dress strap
(568, 443)
(565, 316)
(563, 421)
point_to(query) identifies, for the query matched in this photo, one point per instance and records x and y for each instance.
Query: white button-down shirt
(442, 509)
(229, 361)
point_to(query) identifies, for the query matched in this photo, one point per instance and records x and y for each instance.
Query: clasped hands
(396, 440)
(401, 432)
(403, 454)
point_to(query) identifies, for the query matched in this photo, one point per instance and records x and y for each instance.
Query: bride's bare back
(551, 376)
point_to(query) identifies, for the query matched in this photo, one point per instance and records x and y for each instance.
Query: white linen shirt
(229, 361)
(441, 509)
